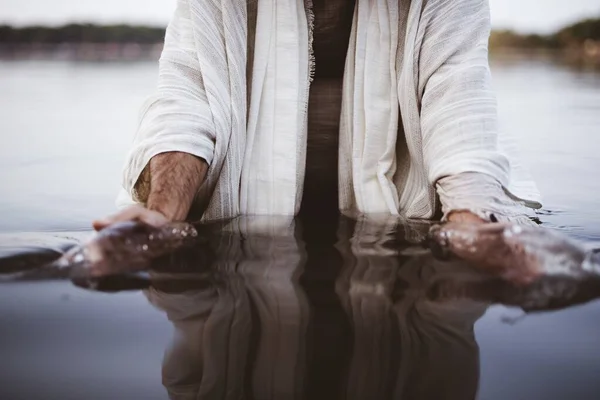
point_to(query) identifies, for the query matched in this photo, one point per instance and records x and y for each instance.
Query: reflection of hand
(132, 213)
(547, 293)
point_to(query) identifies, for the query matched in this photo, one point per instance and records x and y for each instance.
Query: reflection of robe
(405, 346)
(210, 343)
(358, 326)
(247, 328)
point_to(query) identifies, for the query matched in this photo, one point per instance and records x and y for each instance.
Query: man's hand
(131, 213)
(167, 187)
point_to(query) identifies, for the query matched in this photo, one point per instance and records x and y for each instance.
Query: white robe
(417, 105)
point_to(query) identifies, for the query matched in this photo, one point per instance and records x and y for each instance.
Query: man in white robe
(274, 107)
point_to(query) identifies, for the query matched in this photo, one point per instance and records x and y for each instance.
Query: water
(283, 313)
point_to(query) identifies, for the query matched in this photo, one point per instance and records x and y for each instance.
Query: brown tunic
(332, 27)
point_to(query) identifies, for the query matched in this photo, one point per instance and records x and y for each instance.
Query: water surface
(286, 310)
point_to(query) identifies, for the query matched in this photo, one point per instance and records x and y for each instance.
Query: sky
(541, 16)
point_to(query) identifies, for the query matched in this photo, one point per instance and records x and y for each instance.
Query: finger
(127, 214)
(153, 218)
(99, 224)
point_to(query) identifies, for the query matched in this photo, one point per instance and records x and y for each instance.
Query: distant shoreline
(577, 43)
(93, 52)
(85, 42)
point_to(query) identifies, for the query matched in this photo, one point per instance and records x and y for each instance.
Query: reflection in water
(271, 308)
(274, 317)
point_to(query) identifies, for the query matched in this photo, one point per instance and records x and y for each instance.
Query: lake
(291, 309)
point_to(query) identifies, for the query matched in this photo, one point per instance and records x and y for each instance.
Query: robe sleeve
(483, 196)
(177, 117)
(459, 111)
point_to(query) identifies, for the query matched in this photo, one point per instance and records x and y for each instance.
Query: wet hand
(517, 253)
(132, 213)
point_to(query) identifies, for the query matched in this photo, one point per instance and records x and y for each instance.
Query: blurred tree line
(570, 36)
(81, 33)
(88, 33)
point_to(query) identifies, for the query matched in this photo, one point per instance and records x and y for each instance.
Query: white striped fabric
(417, 106)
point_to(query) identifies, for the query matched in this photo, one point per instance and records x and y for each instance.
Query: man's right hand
(170, 185)
(132, 213)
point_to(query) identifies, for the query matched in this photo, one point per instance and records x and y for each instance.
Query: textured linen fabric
(482, 195)
(423, 60)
